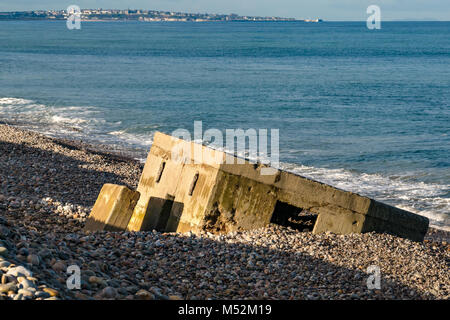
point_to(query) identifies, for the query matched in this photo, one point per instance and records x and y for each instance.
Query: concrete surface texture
(113, 209)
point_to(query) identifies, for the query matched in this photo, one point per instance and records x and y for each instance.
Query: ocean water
(363, 110)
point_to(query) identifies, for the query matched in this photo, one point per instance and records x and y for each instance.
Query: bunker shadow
(163, 214)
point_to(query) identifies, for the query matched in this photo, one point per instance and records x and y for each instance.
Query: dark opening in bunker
(293, 217)
(193, 184)
(165, 213)
(160, 172)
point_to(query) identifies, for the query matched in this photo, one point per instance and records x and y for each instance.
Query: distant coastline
(138, 15)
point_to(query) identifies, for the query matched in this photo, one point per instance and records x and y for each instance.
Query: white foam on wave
(143, 140)
(14, 101)
(29, 112)
(72, 121)
(76, 122)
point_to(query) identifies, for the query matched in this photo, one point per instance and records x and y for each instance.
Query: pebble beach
(48, 187)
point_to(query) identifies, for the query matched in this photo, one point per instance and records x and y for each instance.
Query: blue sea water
(364, 110)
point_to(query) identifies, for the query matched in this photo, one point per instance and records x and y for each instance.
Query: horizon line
(299, 19)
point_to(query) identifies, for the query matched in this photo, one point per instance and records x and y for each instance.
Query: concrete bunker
(184, 193)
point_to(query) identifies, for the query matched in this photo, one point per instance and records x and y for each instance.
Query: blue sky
(326, 9)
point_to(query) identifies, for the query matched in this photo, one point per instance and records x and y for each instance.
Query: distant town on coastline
(137, 15)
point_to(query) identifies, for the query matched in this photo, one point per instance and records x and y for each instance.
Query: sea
(364, 110)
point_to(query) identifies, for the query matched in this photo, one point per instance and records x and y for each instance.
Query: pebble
(19, 271)
(5, 288)
(26, 293)
(33, 259)
(3, 251)
(144, 295)
(25, 284)
(42, 294)
(51, 292)
(59, 266)
(4, 232)
(109, 293)
(18, 297)
(97, 280)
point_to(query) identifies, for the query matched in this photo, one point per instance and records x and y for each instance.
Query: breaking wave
(77, 122)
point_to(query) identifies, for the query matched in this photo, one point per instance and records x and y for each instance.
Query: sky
(331, 10)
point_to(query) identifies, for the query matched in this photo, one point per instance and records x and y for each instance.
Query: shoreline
(48, 186)
(129, 154)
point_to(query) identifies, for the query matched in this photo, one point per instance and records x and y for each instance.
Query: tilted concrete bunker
(204, 190)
